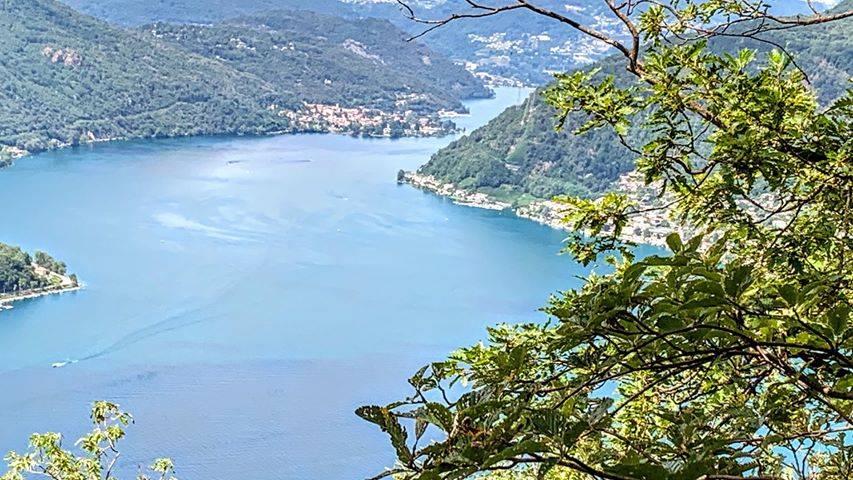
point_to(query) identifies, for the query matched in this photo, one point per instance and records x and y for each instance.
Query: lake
(244, 295)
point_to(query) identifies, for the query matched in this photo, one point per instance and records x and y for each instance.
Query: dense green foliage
(731, 356)
(16, 271)
(69, 78)
(521, 152)
(48, 458)
(44, 260)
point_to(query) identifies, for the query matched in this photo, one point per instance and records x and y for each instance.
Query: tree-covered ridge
(20, 272)
(317, 58)
(132, 13)
(520, 153)
(410, 63)
(520, 47)
(69, 78)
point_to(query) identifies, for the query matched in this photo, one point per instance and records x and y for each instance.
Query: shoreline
(6, 303)
(14, 153)
(457, 195)
(651, 229)
(63, 283)
(431, 124)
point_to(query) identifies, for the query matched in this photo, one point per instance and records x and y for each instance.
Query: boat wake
(180, 319)
(173, 322)
(62, 364)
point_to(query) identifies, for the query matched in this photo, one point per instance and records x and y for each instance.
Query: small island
(25, 276)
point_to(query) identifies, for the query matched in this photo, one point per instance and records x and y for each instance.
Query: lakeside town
(366, 121)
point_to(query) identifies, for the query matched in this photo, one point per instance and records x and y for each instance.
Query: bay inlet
(244, 295)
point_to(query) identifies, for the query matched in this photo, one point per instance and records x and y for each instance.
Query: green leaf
(737, 280)
(525, 447)
(669, 323)
(707, 302)
(388, 422)
(673, 240)
(838, 318)
(788, 293)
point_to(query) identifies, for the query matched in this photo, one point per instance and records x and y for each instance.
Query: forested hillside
(133, 13)
(69, 78)
(324, 59)
(519, 152)
(518, 46)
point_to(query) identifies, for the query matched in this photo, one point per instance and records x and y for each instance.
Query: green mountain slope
(519, 153)
(324, 59)
(518, 45)
(67, 77)
(135, 13)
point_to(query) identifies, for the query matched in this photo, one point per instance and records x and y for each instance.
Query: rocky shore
(7, 300)
(458, 195)
(650, 228)
(8, 154)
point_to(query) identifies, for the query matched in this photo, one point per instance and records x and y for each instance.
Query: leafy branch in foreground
(731, 357)
(46, 456)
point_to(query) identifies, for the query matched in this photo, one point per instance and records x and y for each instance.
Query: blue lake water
(244, 295)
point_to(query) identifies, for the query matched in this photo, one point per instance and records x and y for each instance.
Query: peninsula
(25, 276)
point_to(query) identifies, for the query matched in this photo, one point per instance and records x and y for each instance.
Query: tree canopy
(16, 271)
(48, 458)
(730, 357)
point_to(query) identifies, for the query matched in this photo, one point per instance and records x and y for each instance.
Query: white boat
(62, 364)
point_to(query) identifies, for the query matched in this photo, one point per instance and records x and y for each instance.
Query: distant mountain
(133, 13)
(517, 46)
(519, 154)
(69, 78)
(319, 58)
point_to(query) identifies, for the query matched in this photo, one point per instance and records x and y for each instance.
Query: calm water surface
(244, 295)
